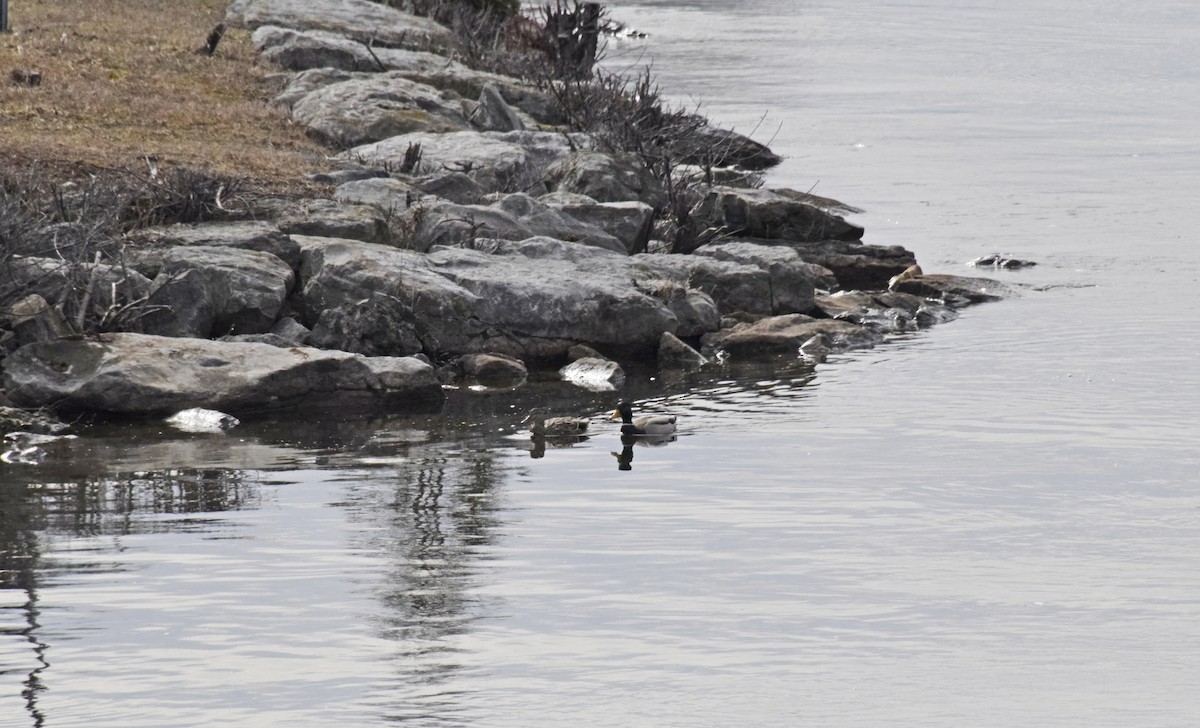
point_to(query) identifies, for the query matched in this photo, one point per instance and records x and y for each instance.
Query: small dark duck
(541, 426)
(648, 425)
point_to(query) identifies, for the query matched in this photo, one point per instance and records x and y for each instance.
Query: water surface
(991, 523)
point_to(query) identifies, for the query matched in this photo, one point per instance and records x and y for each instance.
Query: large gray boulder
(298, 50)
(492, 112)
(765, 214)
(710, 146)
(367, 109)
(673, 353)
(497, 165)
(335, 219)
(666, 278)
(345, 281)
(393, 196)
(361, 20)
(793, 281)
(527, 101)
(630, 222)
(512, 217)
(514, 161)
(142, 251)
(326, 54)
(544, 148)
(552, 222)
(452, 186)
(531, 299)
(588, 301)
(543, 248)
(745, 282)
(212, 291)
(388, 194)
(606, 178)
(441, 223)
(139, 374)
(378, 325)
(854, 265)
(307, 82)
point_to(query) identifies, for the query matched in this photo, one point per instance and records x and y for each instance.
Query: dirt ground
(121, 81)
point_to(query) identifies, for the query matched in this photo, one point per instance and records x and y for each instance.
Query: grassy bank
(121, 80)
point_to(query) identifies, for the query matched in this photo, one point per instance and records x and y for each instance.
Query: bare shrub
(628, 114)
(403, 226)
(182, 194)
(63, 239)
(412, 159)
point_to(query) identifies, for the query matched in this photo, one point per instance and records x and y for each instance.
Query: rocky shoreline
(469, 238)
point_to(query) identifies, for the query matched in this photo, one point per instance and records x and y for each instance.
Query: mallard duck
(541, 426)
(648, 425)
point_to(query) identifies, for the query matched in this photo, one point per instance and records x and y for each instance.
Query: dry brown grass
(122, 80)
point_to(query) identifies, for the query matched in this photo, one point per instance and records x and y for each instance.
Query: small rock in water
(24, 448)
(198, 419)
(996, 260)
(596, 375)
(816, 349)
(911, 271)
(19, 452)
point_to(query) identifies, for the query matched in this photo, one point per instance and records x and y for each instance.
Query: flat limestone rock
(213, 290)
(362, 20)
(137, 374)
(264, 237)
(854, 265)
(889, 311)
(762, 213)
(372, 108)
(956, 291)
(786, 334)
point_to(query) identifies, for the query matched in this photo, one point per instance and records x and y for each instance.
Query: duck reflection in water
(647, 431)
(538, 444)
(625, 457)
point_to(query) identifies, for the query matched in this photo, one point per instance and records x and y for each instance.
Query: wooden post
(589, 31)
(3, 15)
(574, 34)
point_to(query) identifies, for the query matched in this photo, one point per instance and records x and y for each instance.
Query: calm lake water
(995, 522)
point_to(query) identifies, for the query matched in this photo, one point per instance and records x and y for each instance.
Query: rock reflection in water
(34, 513)
(395, 520)
(424, 522)
(20, 552)
(434, 518)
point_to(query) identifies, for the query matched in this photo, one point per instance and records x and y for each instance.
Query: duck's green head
(624, 412)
